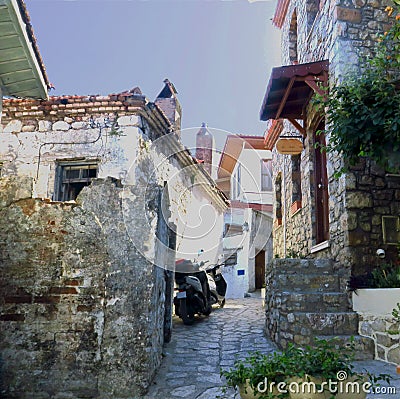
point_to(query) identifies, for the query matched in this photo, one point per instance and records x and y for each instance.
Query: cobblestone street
(196, 353)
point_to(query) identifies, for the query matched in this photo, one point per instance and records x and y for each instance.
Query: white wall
(196, 213)
(250, 165)
(238, 285)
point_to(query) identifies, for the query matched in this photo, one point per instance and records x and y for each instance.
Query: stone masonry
(85, 311)
(303, 300)
(338, 31)
(82, 310)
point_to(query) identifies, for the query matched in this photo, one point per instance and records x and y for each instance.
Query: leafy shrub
(363, 111)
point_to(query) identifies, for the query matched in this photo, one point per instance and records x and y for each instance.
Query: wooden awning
(290, 88)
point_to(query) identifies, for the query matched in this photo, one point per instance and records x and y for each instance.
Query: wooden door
(321, 187)
(260, 270)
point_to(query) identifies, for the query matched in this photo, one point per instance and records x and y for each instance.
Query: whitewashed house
(244, 175)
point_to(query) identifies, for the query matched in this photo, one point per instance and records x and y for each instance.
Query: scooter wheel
(187, 318)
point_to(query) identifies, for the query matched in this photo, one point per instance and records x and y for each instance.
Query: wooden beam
(298, 126)
(311, 82)
(285, 97)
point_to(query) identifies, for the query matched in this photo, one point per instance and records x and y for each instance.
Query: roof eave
(28, 51)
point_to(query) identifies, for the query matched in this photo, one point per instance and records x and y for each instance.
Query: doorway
(321, 186)
(260, 270)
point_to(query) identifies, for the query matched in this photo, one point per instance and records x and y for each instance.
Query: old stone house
(337, 224)
(245, 175)
(97, 198)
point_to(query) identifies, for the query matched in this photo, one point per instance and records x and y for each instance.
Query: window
(71, 178)
(391, 230)
(278, 200)
(312, 9)
(230, 259)
(232, 229)
(293, 57)
(266, 175)
(237, 181)
(296, 183)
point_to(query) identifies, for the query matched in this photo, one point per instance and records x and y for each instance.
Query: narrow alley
(196, 353)
(193, 359)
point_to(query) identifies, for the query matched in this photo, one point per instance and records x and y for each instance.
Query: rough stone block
(348, 14)
(393, 355)
(28, 128)
(13, 126)
(78, 125)
(61, 125)
(129, 120)
(358, 200)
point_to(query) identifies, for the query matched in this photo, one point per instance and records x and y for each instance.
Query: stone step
(292, 266)
(308, 282)
(364, 347)
(314, 323)
(314, 301)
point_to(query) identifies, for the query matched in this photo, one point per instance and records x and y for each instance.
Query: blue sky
(217, 53)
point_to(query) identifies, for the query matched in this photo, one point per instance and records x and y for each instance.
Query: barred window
(72, 177)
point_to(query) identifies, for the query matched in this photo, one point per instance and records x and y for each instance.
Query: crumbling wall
(81, 310)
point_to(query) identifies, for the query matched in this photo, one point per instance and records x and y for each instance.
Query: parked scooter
(217, 284)
(194, 295)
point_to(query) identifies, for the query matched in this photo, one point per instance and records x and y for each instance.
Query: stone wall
(339, 32)
(85, 300)
(375, 307)
(304, 300)
(82, 310)
(118, 132)
(385, 333)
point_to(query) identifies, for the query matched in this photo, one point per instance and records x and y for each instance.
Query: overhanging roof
(232, 149)
(290, 89)
(22, 73)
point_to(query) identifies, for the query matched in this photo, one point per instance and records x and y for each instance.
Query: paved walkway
(196, 353)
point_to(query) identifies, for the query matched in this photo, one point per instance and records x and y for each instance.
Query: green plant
(363, 111)
(257, 367)
(323, 360)
(386, 276)
(396, 317)
(291, 253)
(396, 313)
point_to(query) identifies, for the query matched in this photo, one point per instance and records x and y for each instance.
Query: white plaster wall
(376, 301)
(198, 219)
(238, 285)
(250, 161)
(21, 151)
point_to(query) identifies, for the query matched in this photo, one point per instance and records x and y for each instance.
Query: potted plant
(253, 375)
(320, 371)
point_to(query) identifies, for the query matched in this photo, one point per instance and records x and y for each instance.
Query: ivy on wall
(363, 111)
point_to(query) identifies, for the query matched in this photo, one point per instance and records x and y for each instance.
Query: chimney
(205, 148)
(169, 104)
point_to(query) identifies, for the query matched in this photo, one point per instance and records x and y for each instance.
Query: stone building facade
(97, 198)
(316, 215)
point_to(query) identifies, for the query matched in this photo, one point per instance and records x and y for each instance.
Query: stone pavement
(196, 353)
